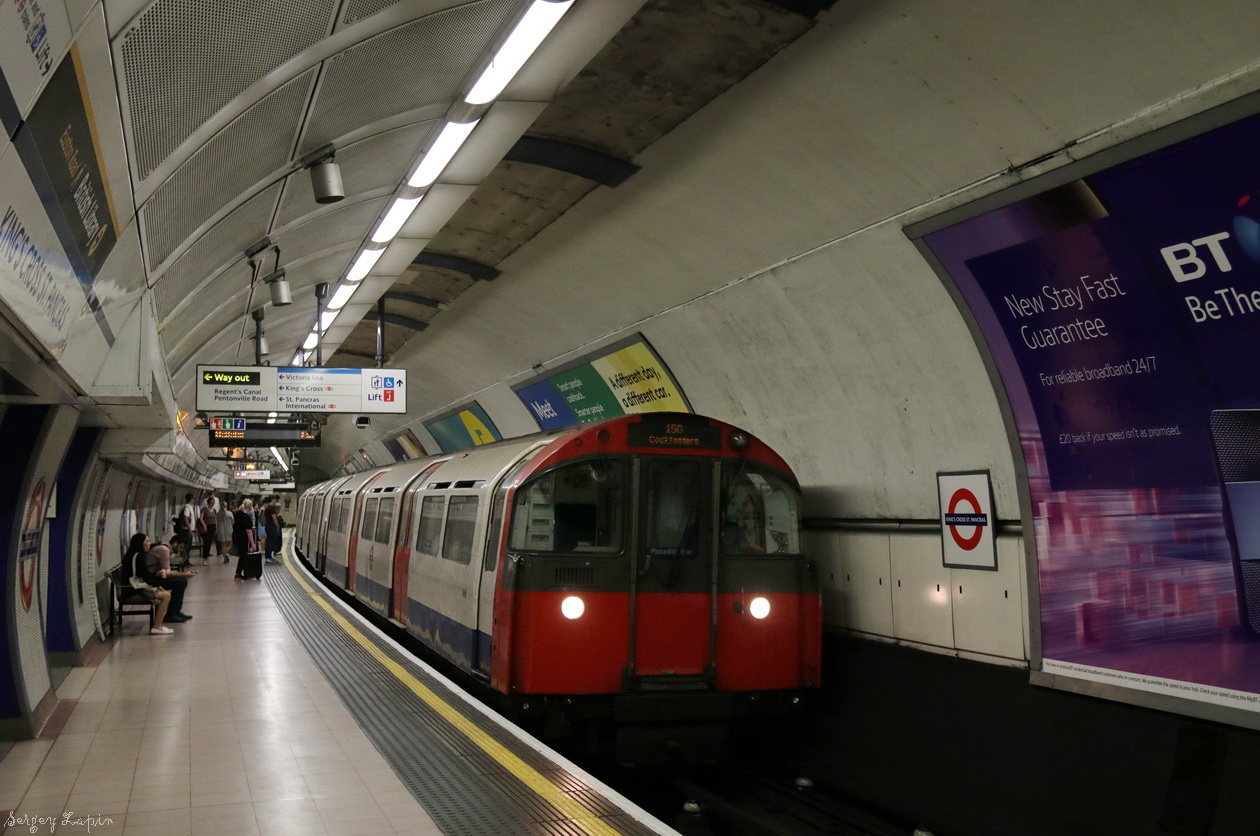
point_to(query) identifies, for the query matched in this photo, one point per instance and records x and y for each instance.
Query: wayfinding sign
(300, 389)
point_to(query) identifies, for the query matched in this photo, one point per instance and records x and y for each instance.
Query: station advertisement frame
(1115, 301)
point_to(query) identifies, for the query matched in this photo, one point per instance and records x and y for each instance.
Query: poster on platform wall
(1122, 312)
(626, 378)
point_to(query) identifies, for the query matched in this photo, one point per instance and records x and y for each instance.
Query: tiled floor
(225, 727)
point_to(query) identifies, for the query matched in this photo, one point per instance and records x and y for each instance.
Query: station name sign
(300, 389)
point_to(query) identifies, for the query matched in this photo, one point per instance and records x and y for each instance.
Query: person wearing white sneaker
(134, 568)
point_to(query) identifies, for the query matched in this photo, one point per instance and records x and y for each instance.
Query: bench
(126, 600)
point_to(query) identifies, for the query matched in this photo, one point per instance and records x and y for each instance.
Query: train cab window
(367, 529)
(760, 512)
(674, 496)
(574, 508)
(384, 520)
(430, 524)
(461, 520)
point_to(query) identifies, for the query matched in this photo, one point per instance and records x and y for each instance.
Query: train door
(356, 520)
(402, 549)
(673, 572)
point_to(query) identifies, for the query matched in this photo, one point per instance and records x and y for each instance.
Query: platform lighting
(363, 264)
(271, 417)
(311, 339)
(444, 148)
(342, 296)
(759, 607)
(399, 211)
(299, 359)
(279, 458)
(533, 27)
(327, 318)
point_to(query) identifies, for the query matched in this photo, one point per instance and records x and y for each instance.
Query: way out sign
(967, 520)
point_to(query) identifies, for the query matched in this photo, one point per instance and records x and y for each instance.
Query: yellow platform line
(526, 774)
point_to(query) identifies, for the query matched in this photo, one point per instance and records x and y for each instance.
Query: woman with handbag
(147, 582)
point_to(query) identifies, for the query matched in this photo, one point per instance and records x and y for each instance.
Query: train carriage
(646, 568)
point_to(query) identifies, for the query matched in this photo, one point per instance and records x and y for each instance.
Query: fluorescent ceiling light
(279, 458)
(327, 318)
(299, 359)
(342, 296)
(397, 215)
(363, 264)
(525, 38)
(311, 340)
(271, 417)
(444, 148)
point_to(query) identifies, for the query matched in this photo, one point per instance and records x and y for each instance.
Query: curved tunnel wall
(761, 252)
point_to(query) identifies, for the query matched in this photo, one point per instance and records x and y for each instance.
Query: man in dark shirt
(158, 558)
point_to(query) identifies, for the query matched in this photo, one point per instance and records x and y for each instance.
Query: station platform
(276, 710)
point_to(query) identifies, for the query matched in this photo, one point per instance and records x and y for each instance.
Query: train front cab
(658, 559)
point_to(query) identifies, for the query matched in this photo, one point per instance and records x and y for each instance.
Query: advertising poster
(469, 427)
(1122, 312)
(626, 380)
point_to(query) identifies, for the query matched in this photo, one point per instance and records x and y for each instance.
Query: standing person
(187, 517)
(274, 534)
(224, 530)
(243, 536)
(148, 583)
(158, 562)
(208, 528)
(260, 531)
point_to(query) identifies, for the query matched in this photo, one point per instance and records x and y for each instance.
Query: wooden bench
(126, 600)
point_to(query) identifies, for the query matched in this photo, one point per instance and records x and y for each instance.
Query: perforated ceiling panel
(378, 162)
(183, 60)
(246, 152)
(224, 244)
(356, 10)
(343, 226)
(425, 62)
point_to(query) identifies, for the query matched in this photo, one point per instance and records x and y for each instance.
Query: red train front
(644, 572)
(651, 557)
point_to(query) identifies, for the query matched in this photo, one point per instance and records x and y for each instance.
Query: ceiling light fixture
(326, 320)
(277, 284)
(363, 264)
(444, 148)
(532, 29)
(325, 175)
(397, 215)
(342, 296)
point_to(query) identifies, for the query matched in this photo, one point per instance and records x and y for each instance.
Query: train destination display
(300, 389)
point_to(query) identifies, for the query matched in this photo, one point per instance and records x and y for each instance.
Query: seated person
(146, 582)
(158, 560)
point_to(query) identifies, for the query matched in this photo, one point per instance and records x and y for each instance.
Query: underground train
(644, 571)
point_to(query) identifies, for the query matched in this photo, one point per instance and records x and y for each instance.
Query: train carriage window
(385, 520)
(575, 508)
(430, 524)
(461, 522)
(367, 529)
(760, 512)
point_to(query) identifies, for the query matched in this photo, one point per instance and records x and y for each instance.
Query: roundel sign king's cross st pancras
(966, 502)
(29, 543)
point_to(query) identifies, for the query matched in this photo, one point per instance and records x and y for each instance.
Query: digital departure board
(240, 432)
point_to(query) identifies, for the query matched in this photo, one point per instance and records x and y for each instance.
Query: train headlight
(759, 607)
(572, 607)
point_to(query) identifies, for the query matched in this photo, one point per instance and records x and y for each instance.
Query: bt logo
(1190, 260)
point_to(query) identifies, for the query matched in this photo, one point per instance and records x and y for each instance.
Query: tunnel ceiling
(220, 111)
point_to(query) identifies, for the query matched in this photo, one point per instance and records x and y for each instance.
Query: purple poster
(1122, 311)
